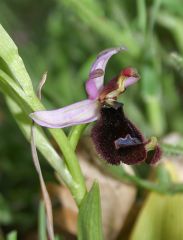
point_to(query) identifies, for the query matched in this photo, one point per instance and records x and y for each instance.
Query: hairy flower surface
(118, 140)
(115, 137)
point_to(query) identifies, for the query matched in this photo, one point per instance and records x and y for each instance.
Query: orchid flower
(115, 137)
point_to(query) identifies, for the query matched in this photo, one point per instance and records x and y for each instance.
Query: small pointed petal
(130, 81)
(78, 113)
(131, 76)
(96, 77)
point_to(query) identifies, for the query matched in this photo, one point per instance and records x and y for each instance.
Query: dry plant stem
(46, 197)
(76, 131)
(79, 188)
(47, 201)
(76, 184)
(74, 138)
(22, 85)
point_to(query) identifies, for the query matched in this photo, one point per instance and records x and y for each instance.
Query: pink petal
(96, 77)
(78, 113)
(131, 80)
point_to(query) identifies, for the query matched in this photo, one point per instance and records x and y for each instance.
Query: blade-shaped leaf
(89, 220)
(46, 197)
(161, 218)
(11, 88)
(5, 212)
(12, 65)
(42, 222)
(42, 142)
(12, 235)
(13, 62)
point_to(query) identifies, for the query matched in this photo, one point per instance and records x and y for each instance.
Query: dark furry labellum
(117, 139)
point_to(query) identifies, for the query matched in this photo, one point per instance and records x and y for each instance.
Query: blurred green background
(63, 37)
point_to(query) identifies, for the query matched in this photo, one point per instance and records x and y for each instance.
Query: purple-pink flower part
(85, 111)
(116, 138)
(96, 77)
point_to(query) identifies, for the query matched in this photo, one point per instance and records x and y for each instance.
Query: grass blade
(89, 220)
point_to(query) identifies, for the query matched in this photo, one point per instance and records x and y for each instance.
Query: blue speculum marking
(128, 141)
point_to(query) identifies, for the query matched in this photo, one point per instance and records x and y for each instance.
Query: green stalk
(119, 173)
(79, 190)
(155, 116)
(58, 134)
(73, 165)
(42, 222)
(172, 149)
(153, 18)
(142, 17)
(19, 82)
(75, 134)
(12, 235)
(77, 187)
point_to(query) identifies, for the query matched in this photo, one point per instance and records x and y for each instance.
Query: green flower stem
(42, 221)
(172, 149)
(155, 115)
(153, 18)
(13, 66)
(72, 163)
(75, 134)
(12, 236)
(119, 173)
(6, 80)
(142, 16)
(70, 157)
(106, 28)
(77, 186)
(19, 112)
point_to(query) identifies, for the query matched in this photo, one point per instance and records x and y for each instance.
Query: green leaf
(163, 175)
(142, 15)
(151, 92)
(161, 215)
(165, 186)
(173, 24)
(160, 218)
(42, 143)
(42, 222)
(12, 235)
(75, 134)
(13, 62)
(5, 212)
(90, 220)
(16, 83)
(11, 88)
(170, 149)
(59, 237)
(106, 28)
(173, 218)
